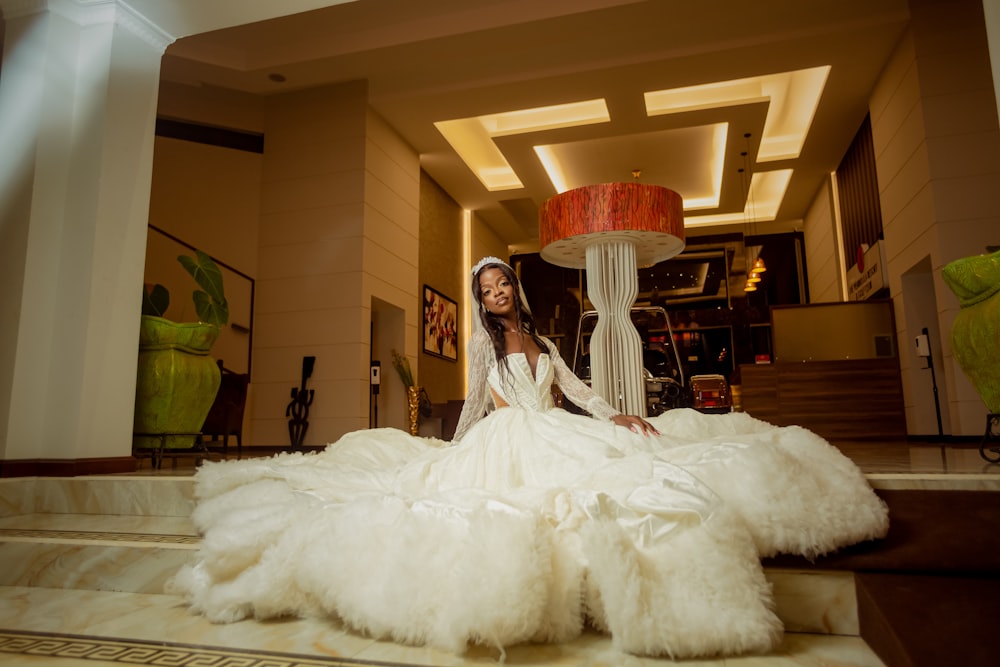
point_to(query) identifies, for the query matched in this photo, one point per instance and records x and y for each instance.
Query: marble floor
(83, 562)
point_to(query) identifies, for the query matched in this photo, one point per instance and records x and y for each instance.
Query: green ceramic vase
(176, 380)
(975, 335)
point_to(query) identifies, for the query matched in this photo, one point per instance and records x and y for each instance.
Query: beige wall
(937, 146)
(211, 202)
(326, 221)
(820, 234)
(392, 255)
(212, 106)
(311, 285)
(442, 267)
(208, 197)
(339, 228)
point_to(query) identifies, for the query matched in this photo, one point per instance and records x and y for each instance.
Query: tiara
(487, 260)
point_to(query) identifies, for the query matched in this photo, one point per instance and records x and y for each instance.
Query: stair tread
(123, 617)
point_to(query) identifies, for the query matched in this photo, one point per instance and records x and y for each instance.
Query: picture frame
(440, 325)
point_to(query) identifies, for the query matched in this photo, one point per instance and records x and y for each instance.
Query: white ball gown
(537, 523)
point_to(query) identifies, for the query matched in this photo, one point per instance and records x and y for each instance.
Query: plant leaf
(206, 273)
(155, 301)
(209, 310)
(209, 302)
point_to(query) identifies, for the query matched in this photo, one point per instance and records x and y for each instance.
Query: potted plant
(176, 379)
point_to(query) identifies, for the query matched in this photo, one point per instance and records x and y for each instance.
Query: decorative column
(611, 230)
(77, 113)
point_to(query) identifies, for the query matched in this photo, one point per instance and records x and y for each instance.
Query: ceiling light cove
(767, 189)
(472, 138)
(792, 96)
(695, 169)
(791, 101)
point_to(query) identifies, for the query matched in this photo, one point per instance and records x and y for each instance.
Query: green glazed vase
(176, 381)
(975, 335)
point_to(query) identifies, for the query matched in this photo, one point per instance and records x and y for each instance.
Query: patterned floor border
(137, 652)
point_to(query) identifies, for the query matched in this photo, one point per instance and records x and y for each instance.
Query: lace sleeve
(576, 389)
(477, 401)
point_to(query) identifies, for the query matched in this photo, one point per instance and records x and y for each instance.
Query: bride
(535, 522)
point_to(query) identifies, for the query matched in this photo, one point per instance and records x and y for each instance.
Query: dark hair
(493, 324)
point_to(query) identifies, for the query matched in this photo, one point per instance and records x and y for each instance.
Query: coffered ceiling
(510, 101)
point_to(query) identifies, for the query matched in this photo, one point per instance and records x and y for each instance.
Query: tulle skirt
(533, 526)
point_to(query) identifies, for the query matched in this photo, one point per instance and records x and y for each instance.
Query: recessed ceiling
(682, 84)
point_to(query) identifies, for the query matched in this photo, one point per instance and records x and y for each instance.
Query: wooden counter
(853, 399)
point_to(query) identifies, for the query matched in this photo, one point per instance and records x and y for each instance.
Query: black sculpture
(298, 408)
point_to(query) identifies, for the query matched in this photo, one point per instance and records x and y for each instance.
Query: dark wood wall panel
(759, 390)
(839, 400)
(857, 187)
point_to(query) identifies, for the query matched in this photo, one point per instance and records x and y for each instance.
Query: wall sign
(867, 276)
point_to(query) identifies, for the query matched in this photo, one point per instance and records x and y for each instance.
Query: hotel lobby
(317, 153)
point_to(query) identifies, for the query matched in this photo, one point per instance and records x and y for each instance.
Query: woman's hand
(635, 424)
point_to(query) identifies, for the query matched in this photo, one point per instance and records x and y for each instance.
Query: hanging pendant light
(752, 278)
(750, 218)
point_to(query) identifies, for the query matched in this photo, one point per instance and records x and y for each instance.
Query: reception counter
(850, 399)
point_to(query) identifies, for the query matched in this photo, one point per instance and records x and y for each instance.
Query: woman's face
(497, 292)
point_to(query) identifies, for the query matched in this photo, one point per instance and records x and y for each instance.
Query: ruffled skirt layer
(532, 526)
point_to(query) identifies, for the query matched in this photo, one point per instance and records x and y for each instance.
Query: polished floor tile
(918, 458)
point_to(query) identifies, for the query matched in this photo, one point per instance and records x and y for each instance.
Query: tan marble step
(138, 495)
(138, 554)
(173, 494)
(132, 554)
(145, 628)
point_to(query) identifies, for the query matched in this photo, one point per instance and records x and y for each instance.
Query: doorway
(387, 408)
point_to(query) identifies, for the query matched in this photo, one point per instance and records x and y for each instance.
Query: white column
(77, 115)
(615, 345)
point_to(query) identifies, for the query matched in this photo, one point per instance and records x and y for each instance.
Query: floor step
(138, 554)
(139, 495)
(94, 552)
(926, 620)
(113, 628)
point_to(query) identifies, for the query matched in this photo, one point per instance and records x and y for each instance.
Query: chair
(225, 418)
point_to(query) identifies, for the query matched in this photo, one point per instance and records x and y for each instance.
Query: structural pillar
(77, 120)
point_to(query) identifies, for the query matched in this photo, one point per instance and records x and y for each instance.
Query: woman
(506, 328)
(536, 522)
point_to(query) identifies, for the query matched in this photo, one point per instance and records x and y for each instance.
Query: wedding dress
(534, 524)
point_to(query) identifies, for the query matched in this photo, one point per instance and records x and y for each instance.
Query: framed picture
(440, 325)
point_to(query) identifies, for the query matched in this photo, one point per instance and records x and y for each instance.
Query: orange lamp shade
(651, 217)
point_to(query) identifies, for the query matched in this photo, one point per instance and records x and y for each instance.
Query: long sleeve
(576, 389)
(477, 401)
